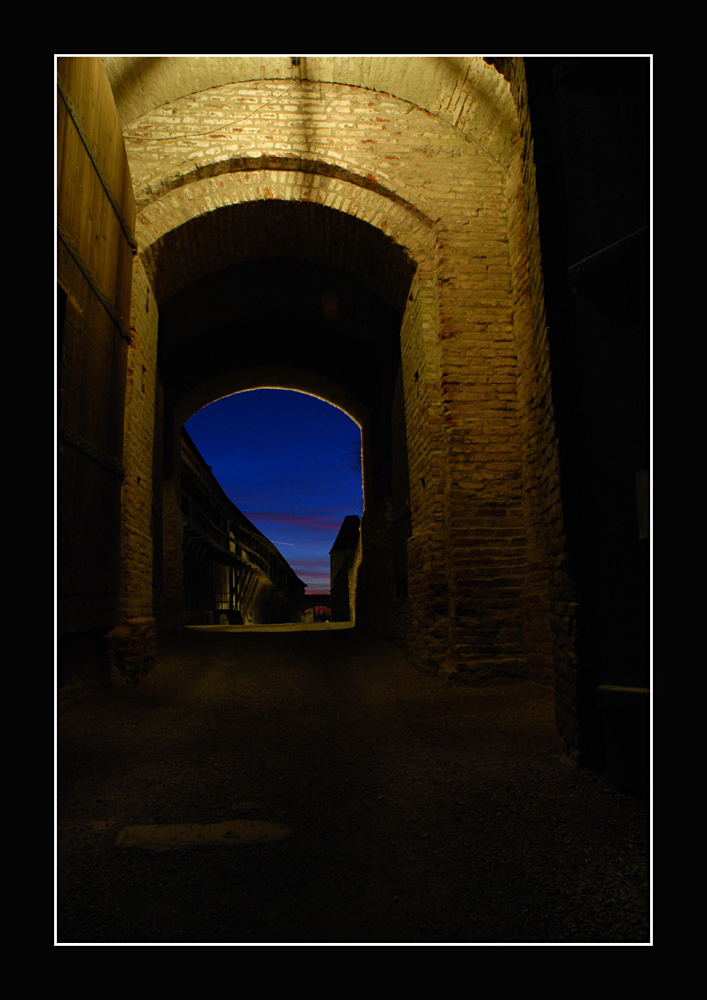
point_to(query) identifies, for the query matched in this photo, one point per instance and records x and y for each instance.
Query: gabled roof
(348, 534)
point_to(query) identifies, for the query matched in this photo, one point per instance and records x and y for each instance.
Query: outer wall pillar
(428, 591)
(487, 532)
(133, 640)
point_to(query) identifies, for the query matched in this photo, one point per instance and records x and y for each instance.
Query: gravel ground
(416, 812)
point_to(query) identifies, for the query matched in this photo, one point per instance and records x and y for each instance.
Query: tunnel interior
(373, 237)
(456, 253)
(335, 333)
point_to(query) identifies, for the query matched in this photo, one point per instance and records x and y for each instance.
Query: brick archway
(363, 262)
(270, 377)
(437, 223)
(217, 221)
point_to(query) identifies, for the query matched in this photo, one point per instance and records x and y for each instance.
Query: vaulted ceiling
(466, 92)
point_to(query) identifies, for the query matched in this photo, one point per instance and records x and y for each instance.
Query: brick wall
(133, 641)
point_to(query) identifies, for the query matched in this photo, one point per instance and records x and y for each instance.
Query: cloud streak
(330, 522)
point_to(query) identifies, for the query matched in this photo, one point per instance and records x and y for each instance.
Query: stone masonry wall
(426, 548)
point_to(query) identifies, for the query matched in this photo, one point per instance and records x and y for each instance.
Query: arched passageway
(369, 240)
(364, 229)
(327, 264)
(289, 322)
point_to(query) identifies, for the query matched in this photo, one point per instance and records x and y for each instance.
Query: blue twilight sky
(284, 459)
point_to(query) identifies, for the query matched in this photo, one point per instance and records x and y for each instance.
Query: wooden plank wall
(95, 245)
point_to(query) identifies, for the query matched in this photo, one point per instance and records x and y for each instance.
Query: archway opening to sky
(291, 462)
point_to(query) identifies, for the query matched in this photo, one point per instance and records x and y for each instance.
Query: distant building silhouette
(344, 557)
(232, 573)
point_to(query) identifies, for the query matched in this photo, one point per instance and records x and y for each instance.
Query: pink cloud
(300, 520)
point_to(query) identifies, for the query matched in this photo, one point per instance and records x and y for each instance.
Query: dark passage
(415, 812)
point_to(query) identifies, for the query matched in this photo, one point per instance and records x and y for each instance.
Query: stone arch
(272, 165)
(337, 218)
(459, 124)
(468, 93)
(270, 377)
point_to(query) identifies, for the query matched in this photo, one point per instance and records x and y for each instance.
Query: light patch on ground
(173, 836)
